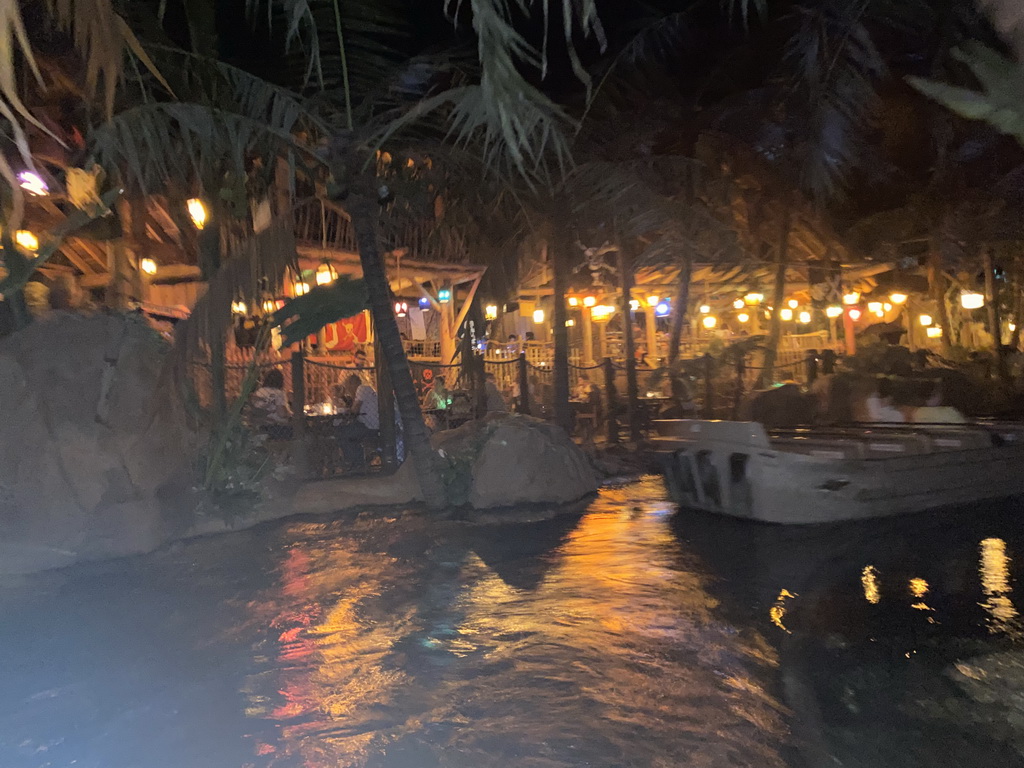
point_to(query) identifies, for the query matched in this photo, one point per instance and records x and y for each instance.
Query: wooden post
(651, 332)
(741, 370)
(709, 389)
(828, 362)
(611, 400)
(588, 336)
(446, 328)
(385, 411)
(299, 412)
(628, 342)
(524, 385)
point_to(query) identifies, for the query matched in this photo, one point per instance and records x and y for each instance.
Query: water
(628, 636)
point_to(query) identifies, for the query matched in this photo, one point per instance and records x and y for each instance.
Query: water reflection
(919, 588)
(995, 584)
(573, 644)
(869, 581)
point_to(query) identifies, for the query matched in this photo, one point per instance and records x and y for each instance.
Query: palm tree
(205, 126)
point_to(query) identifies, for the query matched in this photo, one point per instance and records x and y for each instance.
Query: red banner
(344, 335)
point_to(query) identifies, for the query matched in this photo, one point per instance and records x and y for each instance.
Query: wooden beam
(468, 302)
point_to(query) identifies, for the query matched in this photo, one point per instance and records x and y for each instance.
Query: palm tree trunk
(937, 287)
(778, 297)
(679, 311)
(558, 242)
(629, 343)
(995, 325)
(363, 210)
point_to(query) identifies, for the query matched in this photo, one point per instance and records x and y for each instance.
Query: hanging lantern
(704, 309)
(570, 323)
(26, 240)
(653, 301)
(753, 299)
(738, 304)
(238, 307)
(490, 311)
(538, 316)
(196, 211)
(925, 320)
(793, 303)
(833, 312)
(898, 298)
(786, 314)
(934, 332)
(589, 301)
(851, 298)
(887, 307)
(325, 274)
(401, 309)
(574, 301)
(444, 296)
(634, 304)
(601, 312)
(300, 288)
(971, 300)
(148, 266)
(269, 306)
(743, 317)
(854, 314)
(805, 317)
(709, 321)
(662, 309)
(874, 307)
(424, 302)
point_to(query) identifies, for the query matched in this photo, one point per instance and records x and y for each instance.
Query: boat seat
(826, 448)
(957, 439)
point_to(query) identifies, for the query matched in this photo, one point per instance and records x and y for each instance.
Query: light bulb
(148, 266)
(925, 320)
(805, 317)
(709, 321)
(196, 211)
(833, 312)
(743, 317)
(786, 314)
(851, 298)
(738, 304)
(538, 316)
(793, 303)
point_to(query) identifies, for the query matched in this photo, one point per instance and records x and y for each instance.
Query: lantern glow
(971, 300)
(491, 312)
(925, 320)
(148, 266)
(709, 321)
(833, 312)
(786, 314)
(851, 298)
(196, 212)
(538, 316)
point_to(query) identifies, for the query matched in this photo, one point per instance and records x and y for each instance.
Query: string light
(833, 312)
(709, 321)
(786, 314)
(738, 304)
(805, 317)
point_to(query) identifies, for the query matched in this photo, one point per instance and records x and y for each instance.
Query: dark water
(626, 637)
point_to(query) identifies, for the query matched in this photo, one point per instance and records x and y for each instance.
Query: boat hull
(726, 471)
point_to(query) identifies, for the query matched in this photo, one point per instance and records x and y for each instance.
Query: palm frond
(1008, 18)
(1000, 102)
(252, 268)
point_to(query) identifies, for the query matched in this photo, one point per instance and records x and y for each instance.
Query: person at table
(438, 397)
(268, 407)
(494, 399)
(365, 424)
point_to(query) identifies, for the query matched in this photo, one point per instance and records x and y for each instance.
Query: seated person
(879, 406)
(680, 405)
(268, 407)
(934, 411)
(495, 400)
(365, 424)
(437, 398)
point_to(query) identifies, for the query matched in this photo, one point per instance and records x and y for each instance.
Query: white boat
(826, 474)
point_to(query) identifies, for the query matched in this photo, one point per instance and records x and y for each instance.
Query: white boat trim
(822, 475)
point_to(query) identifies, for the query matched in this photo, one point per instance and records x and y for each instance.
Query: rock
(91, 439)
(507, 460)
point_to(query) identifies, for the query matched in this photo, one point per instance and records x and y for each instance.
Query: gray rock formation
(507, 460)
(91, 446)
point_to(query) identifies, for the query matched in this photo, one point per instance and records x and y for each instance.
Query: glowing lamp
(196, 212)
(401, 309)
(634, 304)
(743, 317)
(26, 240)
(1011, 327)
(753, 298)
(589, 301)
(300, 288)
(238, 307)
(833, 312)
(792, 303)
(805, 317)
(925, 320)
(934, 332)
(491, 312)
(269, 306)
(601, 312)
(32, 183)
(148, 266)
(324, 275)
(662, 309)
(709, 321)
(570, 323)
(738, 304)
(704, 309)
(424, 302)
(444, 296)
(538, 316)
(874, 307)
(786, 313)
(887, 307)
(854, 314)
(653, 301)
(971, 300)
(574, 301)
(851, 298)
(898, 298)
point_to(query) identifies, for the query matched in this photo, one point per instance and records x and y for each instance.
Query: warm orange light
(786, 313)
(589, 301)
(148, 266)
(573, 301)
